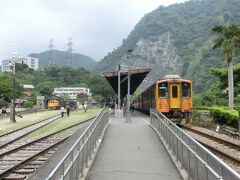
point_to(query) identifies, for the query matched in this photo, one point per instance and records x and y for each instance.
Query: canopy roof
(137, 76)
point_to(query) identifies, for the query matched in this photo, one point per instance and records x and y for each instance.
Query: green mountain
(177, 40)
(60, 58)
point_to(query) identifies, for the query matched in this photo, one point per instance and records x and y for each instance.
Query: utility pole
(13, 112)
(70, 49)
(50, 58)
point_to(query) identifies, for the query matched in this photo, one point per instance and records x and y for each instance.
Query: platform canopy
(137, 76)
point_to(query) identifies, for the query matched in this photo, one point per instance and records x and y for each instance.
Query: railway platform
(147, 148)
(132, 151)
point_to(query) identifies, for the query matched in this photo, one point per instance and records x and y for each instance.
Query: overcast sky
(97, 26)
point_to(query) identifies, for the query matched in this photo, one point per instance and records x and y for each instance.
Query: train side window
(163, 90)
(174, 92)
(186, 90)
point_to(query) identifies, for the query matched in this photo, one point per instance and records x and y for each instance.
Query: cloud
(97, 26)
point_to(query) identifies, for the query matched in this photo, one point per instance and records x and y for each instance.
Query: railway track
(25, 158)
(13, 136)
(226, 150)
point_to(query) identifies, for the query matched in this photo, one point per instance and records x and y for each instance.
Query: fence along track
(49, 138)
(193, 158)
(76, 160)
(226, 150)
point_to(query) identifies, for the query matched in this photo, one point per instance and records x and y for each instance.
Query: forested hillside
(50, 77)
(177, 39)
(61, 59)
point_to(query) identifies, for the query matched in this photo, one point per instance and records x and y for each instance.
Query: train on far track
(55, 102)
(171, 95)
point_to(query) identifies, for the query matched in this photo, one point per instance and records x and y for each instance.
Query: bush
(224, 115)
(237, 107)
(237, 101)
(221, 101)
(195, 116)
(208, 99)
(98, 98)
(28, 104)
(197, 100)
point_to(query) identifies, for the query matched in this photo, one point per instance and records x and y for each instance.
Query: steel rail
(25, 134)
(16, 130)
(220, 153)
(222, 141)
(42, 138)
(30, 159)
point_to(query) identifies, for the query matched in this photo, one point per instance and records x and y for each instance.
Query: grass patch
(74, 118)
(28, 119)
(202, 108)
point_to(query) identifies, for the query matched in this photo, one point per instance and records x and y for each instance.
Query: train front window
(174, 92)
(186, 90)
(163, 90)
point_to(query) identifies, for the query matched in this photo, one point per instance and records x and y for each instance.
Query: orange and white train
(171, 95)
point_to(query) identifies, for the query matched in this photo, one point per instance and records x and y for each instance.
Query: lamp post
(119, 89)
(128, 115)
(13, 112)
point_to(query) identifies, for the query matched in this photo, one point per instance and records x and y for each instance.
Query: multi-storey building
(5, 65)
(30, 61)
(73, 92)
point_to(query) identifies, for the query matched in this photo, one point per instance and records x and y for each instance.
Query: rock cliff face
(160, 55)
(177, 40)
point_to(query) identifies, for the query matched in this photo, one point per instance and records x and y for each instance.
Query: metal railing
(195, 159)
(76, 160)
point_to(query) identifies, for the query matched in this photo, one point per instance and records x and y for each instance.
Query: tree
(65, 96)
(21, 67)
(222, 74)
(228, 39)
(99, 86)
(5, 87)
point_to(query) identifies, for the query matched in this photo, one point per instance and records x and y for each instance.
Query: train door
(175, 100)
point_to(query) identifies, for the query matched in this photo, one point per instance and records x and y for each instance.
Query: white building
(73, 92)
(5, 65)
(30, 61)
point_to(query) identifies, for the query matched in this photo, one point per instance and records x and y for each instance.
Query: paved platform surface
(132, 151)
